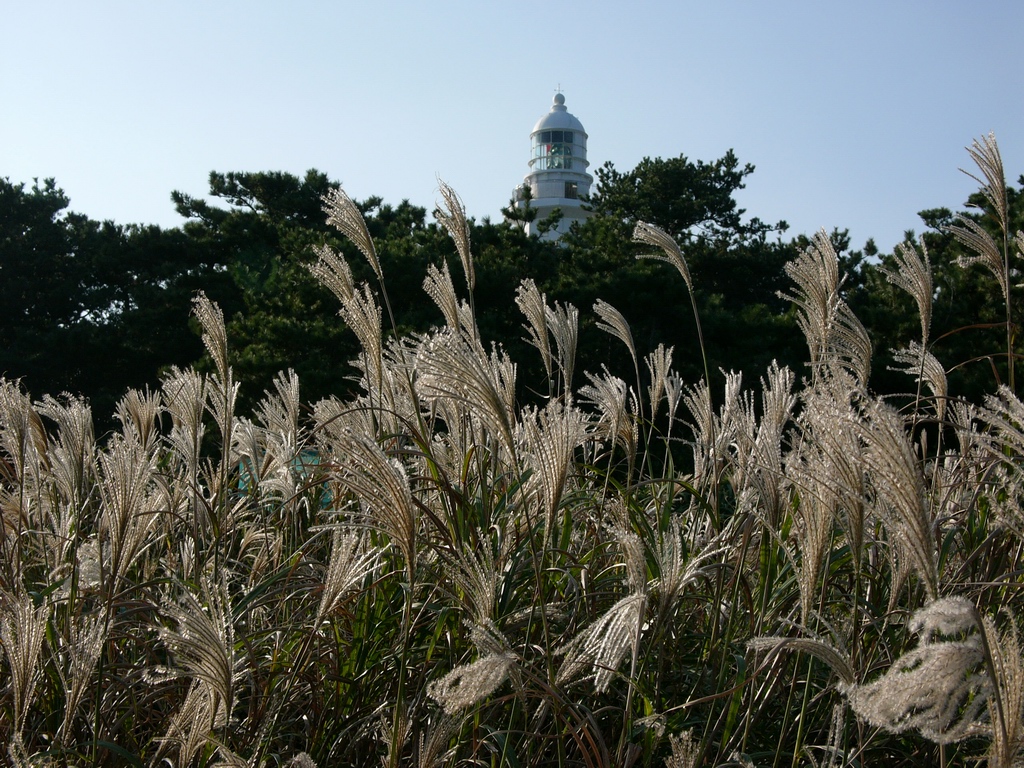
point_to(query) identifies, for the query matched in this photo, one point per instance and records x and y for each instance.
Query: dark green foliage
(678, 195)
(94, 308)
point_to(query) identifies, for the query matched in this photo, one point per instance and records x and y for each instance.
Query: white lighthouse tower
(558, 170)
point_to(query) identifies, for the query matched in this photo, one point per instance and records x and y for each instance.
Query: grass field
(628, 572)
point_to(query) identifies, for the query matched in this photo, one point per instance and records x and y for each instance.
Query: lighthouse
(558, 175)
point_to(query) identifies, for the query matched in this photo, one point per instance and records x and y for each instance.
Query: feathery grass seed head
(22, 630)
(652, 235)
(344, 215)
(986, 156)
(452, 215)
(914, 275)
(611, 321)
(533, 304)
(333, 272)
(937, 688)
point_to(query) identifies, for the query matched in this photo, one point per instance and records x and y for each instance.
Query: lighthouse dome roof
(558, 118)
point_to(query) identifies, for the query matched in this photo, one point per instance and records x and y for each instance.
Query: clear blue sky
(855, 114)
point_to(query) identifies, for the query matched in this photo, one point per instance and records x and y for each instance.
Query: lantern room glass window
(552, 150)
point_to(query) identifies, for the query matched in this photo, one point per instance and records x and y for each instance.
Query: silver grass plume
(390, 398)
(22, 434)
(458, 314)
(674, 389)
(917, 361)
(713, 433)
(184, 395)
(986, 251)
(685, 750)
(71, 452)
(395, 733)
(533, 304)
(777, 398)
(985, 154)
(995, 256)
(902, 497)
(229, 758)
(351, 561)
(72, 471)
(452, 215)
(659, 363)
(467, 319)
(766, 470)
(697, 400)
(264, 472)
(345, 216)
(838, 661)
(457, 369)
(139, 412)
(937, 688)
(279, 410)
(963, 418)
(476, 572)
(439, 287)
(263, 547)
(995, 434)
(603, 645)
(334, 273)
(850, 343)
(90, 566)
(611, 321)
(128, 512)
(433, 749)
(914, 275)
(189, 727)
(215, 337)
(82, 650)
(834, 334)
(19, 756)
(634, 558)
(678, 566)
(829, 437)
(381, 487)
(22, 630)
(203, 645)
(617, 408)
(814, 514)
(550, 437)
(1006, 698)
(362, 315)
(23, 450)
(280, 438)
(1003, 412)
(563, 322)
(470, 683)
(670, 252)
(399, 386)
(223, 392)
(741, 456)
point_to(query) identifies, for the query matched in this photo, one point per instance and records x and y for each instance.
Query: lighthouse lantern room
(558, 175)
